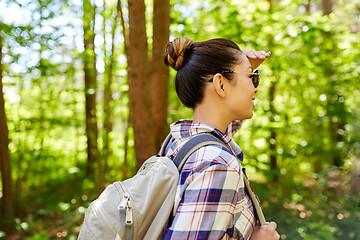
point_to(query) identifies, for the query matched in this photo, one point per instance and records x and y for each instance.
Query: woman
(215, 79)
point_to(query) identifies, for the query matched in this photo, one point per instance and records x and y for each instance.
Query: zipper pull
(125, 210)
(129, 215)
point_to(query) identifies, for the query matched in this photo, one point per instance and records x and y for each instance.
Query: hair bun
(176, 52)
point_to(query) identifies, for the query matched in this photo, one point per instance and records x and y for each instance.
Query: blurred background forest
(86, 99)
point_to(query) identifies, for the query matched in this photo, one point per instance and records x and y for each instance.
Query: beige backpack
(140, 207)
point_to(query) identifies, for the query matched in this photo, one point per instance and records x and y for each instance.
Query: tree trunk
(327, 6)
(273, 140)
(107, 109)
(139, 87)
(90, 86)
(308, 7)
(120, 17)
(273, 160)
(8, 204)
(159, 71)
(336, 108)
(270, 6)
(107, 114)
(125, 167)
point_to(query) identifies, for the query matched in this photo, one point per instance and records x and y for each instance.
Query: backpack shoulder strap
(202, 140)
(164, 144)
(193, 144)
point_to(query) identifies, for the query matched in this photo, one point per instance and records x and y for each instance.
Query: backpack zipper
(129, 216)
(125, 209)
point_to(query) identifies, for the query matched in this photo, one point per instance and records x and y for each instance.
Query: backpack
(140, 207)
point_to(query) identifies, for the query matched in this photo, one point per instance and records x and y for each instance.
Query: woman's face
(241, 95)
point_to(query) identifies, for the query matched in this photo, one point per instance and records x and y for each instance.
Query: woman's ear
(219, 82)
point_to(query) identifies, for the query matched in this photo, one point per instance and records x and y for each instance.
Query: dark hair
(198, 62)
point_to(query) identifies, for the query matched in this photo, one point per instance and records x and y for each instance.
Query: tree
(89, 59)
(336, 109)
(120, 17)
(159, 71)
(327, 6)
(139, 86)
(107, 97)
(7, 206)
(148, 98)
(273, 135)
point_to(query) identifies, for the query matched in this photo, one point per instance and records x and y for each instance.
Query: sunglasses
(255, 76)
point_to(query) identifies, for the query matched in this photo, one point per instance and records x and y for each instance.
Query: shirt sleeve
(213, 206)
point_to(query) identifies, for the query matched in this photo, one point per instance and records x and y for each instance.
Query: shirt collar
(184, 129)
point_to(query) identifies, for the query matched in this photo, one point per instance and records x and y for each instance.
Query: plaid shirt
(210, 202)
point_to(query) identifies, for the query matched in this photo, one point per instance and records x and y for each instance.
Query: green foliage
(321, 206)
(314, 68)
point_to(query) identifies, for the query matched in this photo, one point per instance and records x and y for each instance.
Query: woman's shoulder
(211, 155)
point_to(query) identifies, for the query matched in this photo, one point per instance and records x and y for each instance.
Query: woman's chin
(248, 116)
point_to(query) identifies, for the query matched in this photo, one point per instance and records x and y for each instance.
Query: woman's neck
(212, 116)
